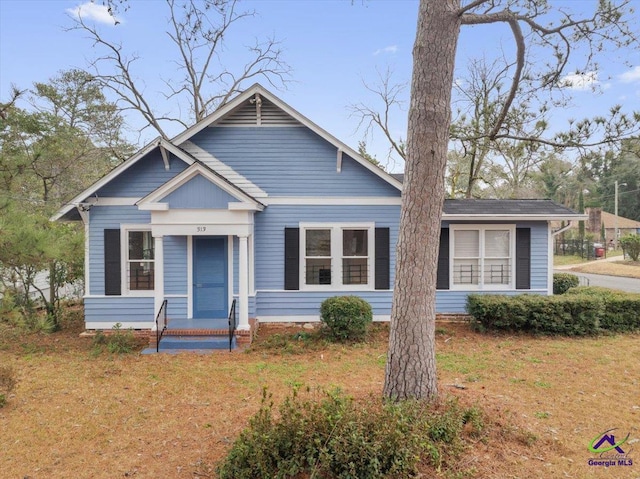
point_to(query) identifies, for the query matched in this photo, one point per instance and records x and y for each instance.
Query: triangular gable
(219, 189)
(160, 143)
(239, 104)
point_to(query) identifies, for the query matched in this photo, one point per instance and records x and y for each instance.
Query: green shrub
(346, 317)
(621, 310)
(119, 341)
(582, 311)
(631, 246)
(7, 383)
(562, 282)
(337, 437)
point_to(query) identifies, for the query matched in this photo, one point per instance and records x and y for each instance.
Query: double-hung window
(337, 255)
(139, 260)
(483, 256)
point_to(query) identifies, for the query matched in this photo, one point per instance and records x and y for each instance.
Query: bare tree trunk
(411, 363)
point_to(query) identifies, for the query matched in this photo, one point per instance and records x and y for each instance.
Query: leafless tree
(198, 29)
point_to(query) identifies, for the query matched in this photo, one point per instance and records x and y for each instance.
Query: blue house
(257, 206)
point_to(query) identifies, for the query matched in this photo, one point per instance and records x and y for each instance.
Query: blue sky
(331, 45)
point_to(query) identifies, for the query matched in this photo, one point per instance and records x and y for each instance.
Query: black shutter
(523, 258)
(112, 271)
(292, 258)
(442, 281)
(382, 258)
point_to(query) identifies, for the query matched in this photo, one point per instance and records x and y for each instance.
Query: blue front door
(210, 268)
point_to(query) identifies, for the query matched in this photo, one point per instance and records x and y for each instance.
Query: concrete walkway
(630, 285)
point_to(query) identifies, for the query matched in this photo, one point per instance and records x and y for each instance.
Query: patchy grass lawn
(629, 269)
(74, 414)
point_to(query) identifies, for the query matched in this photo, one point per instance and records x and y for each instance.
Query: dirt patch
(75, 415)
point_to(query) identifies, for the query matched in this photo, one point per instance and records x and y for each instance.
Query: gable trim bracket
(339, 161)
(165, 155)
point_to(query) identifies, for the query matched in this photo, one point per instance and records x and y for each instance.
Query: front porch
(204, 336)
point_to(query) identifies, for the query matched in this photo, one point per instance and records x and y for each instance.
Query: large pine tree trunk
(411, 366)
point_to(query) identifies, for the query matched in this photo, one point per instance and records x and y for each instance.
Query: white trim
(310, 318)
(87, 252)
(523, 217)
(154, 207)
(229, 271)
(112, 201)
(169, 296)
(259, 89)
(148, 148)
(124, 254)
(482, 228)
(189, 174)
(243, 283)
(336, 230)
(252, 278)
(551, 235)
(336, 200)
(158, 273)
(339, 161)
(106, 325)
(190, 276)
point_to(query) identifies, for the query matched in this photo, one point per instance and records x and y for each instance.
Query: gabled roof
(488, 209)
(150, 147)
(152, 200)
(223, 170)
(238, 102)
(182, 148)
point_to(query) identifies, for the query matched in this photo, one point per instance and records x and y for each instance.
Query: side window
(317, 256)
(140, 261)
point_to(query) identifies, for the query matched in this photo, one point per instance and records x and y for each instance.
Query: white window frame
(124, 261)
(337, 256)
(482, 228)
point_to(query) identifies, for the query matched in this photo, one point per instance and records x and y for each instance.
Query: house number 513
(201, 229)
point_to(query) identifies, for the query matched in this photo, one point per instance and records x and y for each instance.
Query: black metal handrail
(161, 323)
(232, 323)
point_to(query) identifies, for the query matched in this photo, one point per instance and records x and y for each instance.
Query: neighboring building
(597, 217)
(258, 204)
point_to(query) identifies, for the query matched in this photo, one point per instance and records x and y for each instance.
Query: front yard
(77, 414)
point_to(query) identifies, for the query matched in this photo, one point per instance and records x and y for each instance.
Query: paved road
(631, 285)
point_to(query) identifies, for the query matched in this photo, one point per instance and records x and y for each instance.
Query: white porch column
(243, 283)
(158, 275)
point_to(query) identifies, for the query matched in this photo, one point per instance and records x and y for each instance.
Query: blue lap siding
(290, 161)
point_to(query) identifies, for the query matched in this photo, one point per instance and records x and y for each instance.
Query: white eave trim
(154, 207)
(259, 89)
(153, 200)
(158, 142)
(524, 217)
(334, 200)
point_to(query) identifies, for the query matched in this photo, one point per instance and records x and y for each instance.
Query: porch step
(174, 344)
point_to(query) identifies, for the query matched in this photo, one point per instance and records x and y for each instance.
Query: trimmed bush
(582, 311)
(346, 317)
(562, 282)
(631, 246)
(338, 437)
(622, 310)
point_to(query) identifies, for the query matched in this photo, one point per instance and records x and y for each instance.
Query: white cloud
(580, 81)
(389, 49)
(631, 76)
(91, 11)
